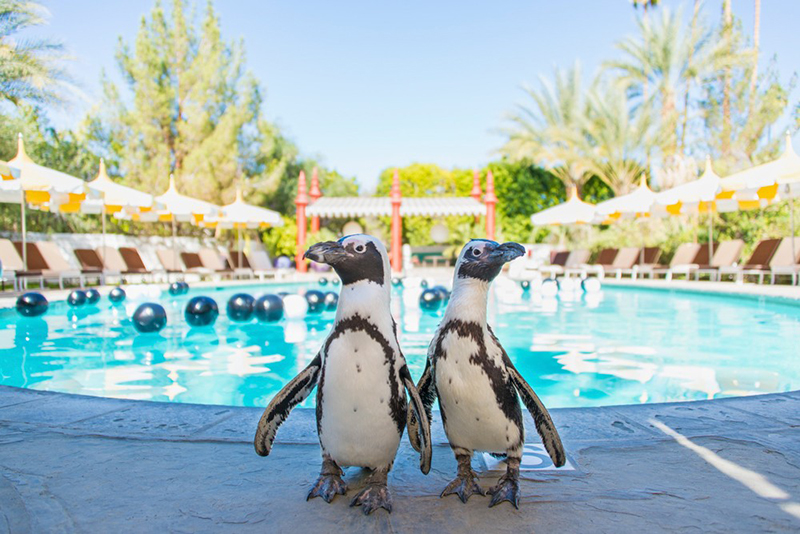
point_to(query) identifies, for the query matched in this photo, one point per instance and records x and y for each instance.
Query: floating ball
(423, 284)
(397, 282)
(316, 301)
(175, 289)
(269, 308)
(184, 288)
(444, 292)
(201, 311)
(568, 285)
(31, 304)
(525, 285)
(335, 281)
(295, 307)
(430, 300)
(76, 298)
(116, 295)
(240, 307)
(331, 300)
(591, 285)
(323, 281)
(92, 296)
(149, 317)
(549, 287)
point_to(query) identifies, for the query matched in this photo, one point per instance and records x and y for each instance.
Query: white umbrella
(45, 187)
(239, 214)
(573, 211)
(8, 172)
(635, 205)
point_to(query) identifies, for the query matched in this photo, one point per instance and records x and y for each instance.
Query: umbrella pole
(174, 245)
(239, 244)
(791, 224)
(24, 237)
(710, 236)
(103, 242)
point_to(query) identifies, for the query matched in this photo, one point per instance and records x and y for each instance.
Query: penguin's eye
(360, 248)
(476, 252)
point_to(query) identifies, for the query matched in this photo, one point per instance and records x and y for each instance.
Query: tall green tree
(31, 70)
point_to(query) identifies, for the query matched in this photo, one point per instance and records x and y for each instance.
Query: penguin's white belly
(474, 419)
(357, 428)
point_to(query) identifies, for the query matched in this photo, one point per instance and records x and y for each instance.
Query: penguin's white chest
(473, 417)
(356, 426)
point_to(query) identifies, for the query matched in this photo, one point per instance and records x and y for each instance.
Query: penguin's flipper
(544, 423)
(419, 431)
(278, 410)
(427, 394)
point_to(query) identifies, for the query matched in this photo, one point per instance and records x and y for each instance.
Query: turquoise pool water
(619, 346)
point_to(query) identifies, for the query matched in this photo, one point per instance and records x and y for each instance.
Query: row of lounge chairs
(46, 263)
(771, 257)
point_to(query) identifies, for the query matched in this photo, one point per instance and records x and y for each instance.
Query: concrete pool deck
(81, 464)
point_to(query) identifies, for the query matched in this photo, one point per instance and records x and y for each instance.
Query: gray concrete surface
(79, 464)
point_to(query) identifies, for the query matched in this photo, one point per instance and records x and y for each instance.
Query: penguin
(476, 383)
(361, 379)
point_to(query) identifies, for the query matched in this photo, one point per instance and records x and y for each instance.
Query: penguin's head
(483, 259)
(354, 258)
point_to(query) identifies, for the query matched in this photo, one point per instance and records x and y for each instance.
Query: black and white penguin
(477, 385)
(361, 379)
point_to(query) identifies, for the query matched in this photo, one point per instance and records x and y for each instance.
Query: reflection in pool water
(620, 346)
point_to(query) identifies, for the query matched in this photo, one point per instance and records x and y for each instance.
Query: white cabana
(342, 207)
(573, 211)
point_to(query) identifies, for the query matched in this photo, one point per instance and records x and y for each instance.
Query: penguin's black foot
(372, 497)
(507, 489)
(328, 487)
(465, 486)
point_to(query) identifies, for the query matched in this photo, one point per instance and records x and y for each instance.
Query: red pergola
(395, 206)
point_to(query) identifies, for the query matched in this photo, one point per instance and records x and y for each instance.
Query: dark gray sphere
(32, 304)
(240, 307)
(269, 308)
(149, 317)
(201, 311)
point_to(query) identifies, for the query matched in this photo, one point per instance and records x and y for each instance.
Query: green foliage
(31, 70)
(281, 240)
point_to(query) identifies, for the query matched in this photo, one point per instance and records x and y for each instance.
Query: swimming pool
(619, 346)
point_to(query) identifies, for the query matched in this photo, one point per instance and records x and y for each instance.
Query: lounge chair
(726, 254)
(683, 262)
(557, 263)
(55, 259)
(240, 270)
(14, 269)
(757, 265)
(91, 261)
(213, 261)
(113, 262)
(170, 261)
(262, 266)
(625, 262)
(783, 263)
(603, 262)
(37, 262)
(133, 262)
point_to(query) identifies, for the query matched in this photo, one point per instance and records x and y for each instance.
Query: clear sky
(368, 85)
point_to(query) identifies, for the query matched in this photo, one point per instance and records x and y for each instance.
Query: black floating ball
(316, 301)
(397, 282)
(526, 285)
(117, 295)
(31, 304)
(335, 281)
(149, 317)
(323, 281)
(443, 292)
(424, 284)
(331, 300)
(240, 307)
(430, 300)
(269, 308)
(76, 298)
(92, 296)
(201, 311)
(184, 287)
(175, 289)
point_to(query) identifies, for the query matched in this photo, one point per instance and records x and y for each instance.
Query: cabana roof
(382, 206)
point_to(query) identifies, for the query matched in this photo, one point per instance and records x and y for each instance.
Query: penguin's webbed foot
(465, 485)
(507, 489)
(328, 486)
(372, 497)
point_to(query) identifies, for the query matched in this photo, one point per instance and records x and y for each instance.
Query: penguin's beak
(330, 252)
(507, 252)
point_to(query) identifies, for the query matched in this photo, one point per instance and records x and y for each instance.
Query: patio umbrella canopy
(239, 214)
(573, 211)
(635, 205)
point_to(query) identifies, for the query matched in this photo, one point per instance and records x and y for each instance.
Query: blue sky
(368, 85)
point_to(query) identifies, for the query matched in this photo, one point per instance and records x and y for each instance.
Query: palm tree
(30, 69)
(550, 129)
(620, 135)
